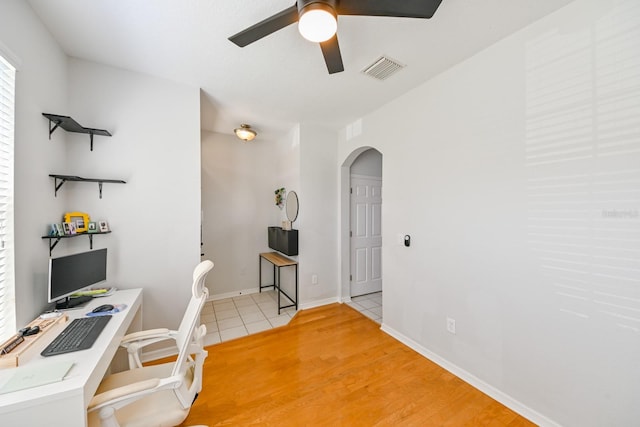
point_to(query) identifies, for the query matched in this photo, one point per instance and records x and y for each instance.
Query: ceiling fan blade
(332, 57)
(404, 8)
(266, 27)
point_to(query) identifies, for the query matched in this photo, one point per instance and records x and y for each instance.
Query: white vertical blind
(7, 291)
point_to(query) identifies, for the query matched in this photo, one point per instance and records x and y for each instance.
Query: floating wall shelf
(65, 178)
(53, 240)
(70, 125)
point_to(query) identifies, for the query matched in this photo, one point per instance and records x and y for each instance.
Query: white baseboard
(233, 294)
(318, 303)
(301, 306)
(149, 356)
(494, 393)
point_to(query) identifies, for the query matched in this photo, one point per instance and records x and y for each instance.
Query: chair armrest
(135, 341)
(143, 335)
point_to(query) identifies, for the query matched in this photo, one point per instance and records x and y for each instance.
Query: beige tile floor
(370, 305)
(240, 316)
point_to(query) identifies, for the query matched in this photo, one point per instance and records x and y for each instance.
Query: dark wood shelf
(65, 178)
(56, 239)
(70, 125)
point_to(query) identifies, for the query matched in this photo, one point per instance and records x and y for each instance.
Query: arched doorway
(361, 238)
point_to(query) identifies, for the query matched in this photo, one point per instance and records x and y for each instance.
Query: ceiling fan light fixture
(318, 22)
(245, 133)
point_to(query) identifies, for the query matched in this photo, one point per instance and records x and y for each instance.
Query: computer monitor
(72, 273)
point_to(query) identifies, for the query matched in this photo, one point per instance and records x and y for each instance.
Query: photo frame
(59, 230)
(103, 226)
(53, 230)
(92, 227)
(66, 229)
(72, 228)
(80, 219)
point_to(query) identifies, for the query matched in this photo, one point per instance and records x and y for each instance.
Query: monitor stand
(68, 303)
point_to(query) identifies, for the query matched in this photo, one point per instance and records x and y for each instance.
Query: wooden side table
(278, 261)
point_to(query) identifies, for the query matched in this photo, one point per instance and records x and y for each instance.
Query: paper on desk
(35, 375)
(95, 292)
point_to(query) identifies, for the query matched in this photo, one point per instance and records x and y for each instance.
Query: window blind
(7, 120)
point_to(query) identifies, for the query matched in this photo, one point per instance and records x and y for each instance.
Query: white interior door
(366, 235)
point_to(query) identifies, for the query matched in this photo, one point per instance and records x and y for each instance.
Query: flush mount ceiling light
(245, 133)
(318, 21)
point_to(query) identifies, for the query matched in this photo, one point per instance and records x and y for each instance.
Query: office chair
(158, 395)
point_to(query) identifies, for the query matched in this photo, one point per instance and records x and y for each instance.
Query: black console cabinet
(285, 241)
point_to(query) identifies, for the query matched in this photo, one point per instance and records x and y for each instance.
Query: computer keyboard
(79, 335)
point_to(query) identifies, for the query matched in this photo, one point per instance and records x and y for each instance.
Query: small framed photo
(72, 228)
(79, 219)
(53, 230)
(103, 226)
(92, 227)
(59, 229)
(66, 228)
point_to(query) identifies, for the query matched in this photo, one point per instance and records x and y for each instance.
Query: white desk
(65, 403)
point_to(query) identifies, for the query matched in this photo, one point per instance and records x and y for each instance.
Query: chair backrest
(189, 336)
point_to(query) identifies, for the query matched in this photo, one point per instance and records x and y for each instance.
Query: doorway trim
(345, 221)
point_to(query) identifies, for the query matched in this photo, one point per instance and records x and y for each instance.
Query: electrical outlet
(314, 279)
(451, 325)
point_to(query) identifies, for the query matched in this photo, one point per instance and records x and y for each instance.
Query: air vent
(383, 68)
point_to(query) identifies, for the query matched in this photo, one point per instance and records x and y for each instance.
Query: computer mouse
(32, 331)
(29, 331)
(103, 307)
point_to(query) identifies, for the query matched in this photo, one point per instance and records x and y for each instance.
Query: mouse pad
(116, 309)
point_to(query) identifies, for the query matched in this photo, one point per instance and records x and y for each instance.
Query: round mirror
(292, 206)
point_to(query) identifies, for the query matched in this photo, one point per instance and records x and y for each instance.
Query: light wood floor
(332, 366)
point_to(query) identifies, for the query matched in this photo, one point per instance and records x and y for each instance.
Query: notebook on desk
(35, 375)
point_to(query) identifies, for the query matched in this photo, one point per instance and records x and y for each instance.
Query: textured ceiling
(281, 79)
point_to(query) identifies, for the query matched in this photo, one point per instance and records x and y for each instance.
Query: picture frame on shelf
(54, 230)
(103, 226)
(80, 219)
(92, 227)
(72, 228)
(66, 229)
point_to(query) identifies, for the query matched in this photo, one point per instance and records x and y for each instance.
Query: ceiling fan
(317, 21)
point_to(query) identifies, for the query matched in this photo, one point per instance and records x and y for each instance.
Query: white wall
(41, 86)
(368, 163)
(155, 147)
(521, 197)
(238, 184)
(318, 215)
(288, 162)
(238, 202)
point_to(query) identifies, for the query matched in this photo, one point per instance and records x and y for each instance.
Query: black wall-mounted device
(407, 240)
